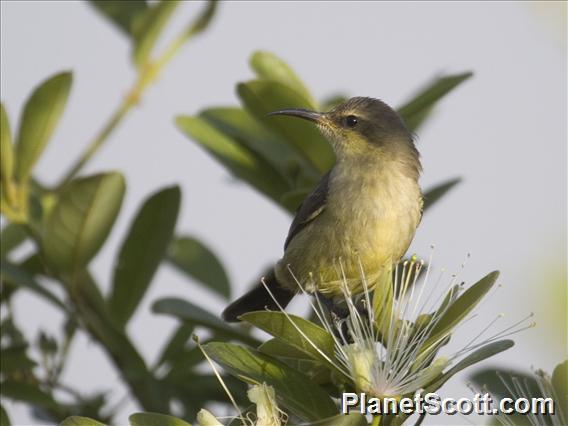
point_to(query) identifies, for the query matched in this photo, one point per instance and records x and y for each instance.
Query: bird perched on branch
(362, 215)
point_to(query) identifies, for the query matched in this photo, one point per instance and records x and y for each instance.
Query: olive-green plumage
(362, 215)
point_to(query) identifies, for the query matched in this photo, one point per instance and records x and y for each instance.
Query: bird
(362, 215)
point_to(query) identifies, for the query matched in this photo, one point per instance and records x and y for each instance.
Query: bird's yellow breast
(369, 221)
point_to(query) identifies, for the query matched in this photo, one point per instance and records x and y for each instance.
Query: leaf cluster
(69, 223)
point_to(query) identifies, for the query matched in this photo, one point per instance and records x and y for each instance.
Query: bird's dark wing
(310, 208)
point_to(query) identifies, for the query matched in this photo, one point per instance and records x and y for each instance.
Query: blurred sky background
(503, 131)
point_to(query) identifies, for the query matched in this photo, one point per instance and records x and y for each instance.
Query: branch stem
(147, 75)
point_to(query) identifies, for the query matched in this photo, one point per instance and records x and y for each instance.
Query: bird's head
(361, 127)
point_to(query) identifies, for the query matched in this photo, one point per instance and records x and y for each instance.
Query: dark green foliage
(69, 223)
(142, 251)
(284, 159)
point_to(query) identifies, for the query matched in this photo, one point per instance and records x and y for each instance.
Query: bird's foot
(336, 311)
(339, 316)
(340, 312)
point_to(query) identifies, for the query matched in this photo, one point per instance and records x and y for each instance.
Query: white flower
(205, 418)
(263, 396)
(267, 411)
(392, 349)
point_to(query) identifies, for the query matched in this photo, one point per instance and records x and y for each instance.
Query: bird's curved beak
(316, 117)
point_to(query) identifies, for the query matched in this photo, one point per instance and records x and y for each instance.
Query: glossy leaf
(4, 419)
(294, 390)
(196, 260)
(415, 111)
(182, 366)
(488, 379)
(15, 358)
(186, 311)
(155, 419)
(433, 194)
(246, 130)
(81, 220)
(27, 392)
(475, 357)
(21, 277)
(142, 251)
(305, 336)
(458, 310)
(261, 97)
(147, 27)
(203, 20)
(6, 148)
(12, 236)
(279, 348)
(241, 161)
(176, 344)
(268, 66)
(80, 421)
(198, 389)
(560, 385)
(121, 13)
(41, 114)
(93, 311)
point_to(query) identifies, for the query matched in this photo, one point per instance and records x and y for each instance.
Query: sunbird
(360, 218)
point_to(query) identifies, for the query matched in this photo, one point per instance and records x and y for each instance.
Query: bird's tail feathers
(259, 299)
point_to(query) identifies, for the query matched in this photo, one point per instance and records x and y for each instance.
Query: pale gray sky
(504, 132)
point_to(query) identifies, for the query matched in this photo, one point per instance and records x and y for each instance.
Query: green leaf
(80, 421)
(196, 260)
(268, 66)
(15, 358)
(81, 220)
(142, 251)
(12, 236)
(155, 419)
(458, 310)
(27, 392)
(560, 385)
(186, 311)
(239, 125)
(432, 195)
(4, 419)
(241, 161)
(293, 389)
(415, 111)
(176, 344)
(147, 27)
(121, 13)
(261, 97)
(20, 277)
(305, 336)
(182, 368)
(196, 390)
(475, 357)
(41, 114)
(202, 21)
(279, 348)
(6, 148)
(487, 378)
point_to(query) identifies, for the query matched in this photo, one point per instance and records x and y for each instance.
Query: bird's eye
(351, 121)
